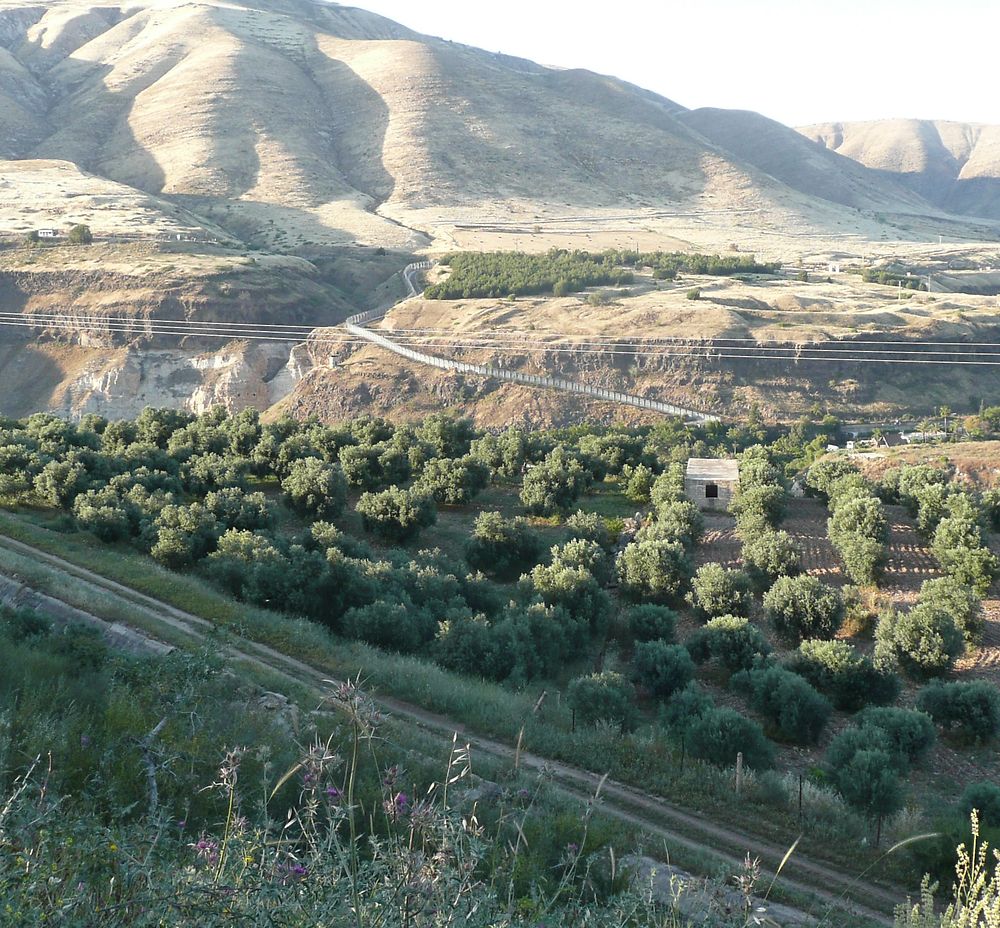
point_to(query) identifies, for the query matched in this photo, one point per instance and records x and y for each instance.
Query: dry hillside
(954, 165)
(309, 122)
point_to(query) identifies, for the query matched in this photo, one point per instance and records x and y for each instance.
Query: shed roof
(714, 469)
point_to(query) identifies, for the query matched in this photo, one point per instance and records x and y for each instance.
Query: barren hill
(954, 165)
(312, 122)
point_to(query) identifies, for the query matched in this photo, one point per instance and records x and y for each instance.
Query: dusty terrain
(276, 141)
(954, 165)
(308, 122)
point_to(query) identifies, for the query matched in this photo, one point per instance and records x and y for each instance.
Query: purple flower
(523, 794)
(572, 848)
(332, 793)
(207, 850)
(84, 741)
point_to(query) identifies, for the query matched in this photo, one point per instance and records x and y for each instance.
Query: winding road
(356, 325)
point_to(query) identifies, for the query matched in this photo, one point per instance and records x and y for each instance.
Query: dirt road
(829, 885)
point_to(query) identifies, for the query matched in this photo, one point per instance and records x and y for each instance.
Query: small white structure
(711, 483)
(49, 233)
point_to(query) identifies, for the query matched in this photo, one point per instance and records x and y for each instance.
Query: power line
(471, 340)
(810, 352)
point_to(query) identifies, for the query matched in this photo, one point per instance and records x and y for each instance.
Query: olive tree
(654, 569)
(803, 607)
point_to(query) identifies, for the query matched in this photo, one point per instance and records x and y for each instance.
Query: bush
(575, 590)
(717, 591)
(654, 569)
(906, 732)
(733, 641)
(388, 625)
(555, 484)
(869, 782)
(971, 709)
(771, 555)
(587, 555)
(986, 798)
(803, 607)
(684, 707)
(454, 481)
(649, 623)
(851, 680)
(603, 697)
(796, 710)
(694, 293)
(923, 642)
(396, 515)
(668, 487)
(763, 502)
(314, 488)
(80, 235)
(959, 601)
(638, 483)
(958, 547)
(675, 521)
(662, 668)
(502, 548)
(719, 735)
(589, 526)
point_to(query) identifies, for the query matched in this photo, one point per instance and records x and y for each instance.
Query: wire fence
(355, 325)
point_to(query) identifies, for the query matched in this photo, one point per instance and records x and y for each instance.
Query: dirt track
(826, 883)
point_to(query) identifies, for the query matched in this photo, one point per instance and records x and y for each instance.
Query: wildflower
(390, 777)
(207, 850)
(84, 741)
(113, 848)
(523, 794)
(293, 870)
(573, 848)
(397, 807)
(332, 793)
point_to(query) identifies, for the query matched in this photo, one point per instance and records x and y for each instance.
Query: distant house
(711, 483)
(49, 233)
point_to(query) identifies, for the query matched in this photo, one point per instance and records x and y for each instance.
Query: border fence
(356, 326)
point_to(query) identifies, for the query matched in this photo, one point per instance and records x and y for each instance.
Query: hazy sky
(798, 61)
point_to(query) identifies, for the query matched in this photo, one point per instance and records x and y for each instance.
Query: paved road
(830, 885)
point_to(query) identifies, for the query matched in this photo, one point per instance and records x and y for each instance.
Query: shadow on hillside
(28, 376)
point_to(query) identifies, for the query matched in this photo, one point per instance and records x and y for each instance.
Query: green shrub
(719, 735)
(455, 481)
(850, 679)
(970, 708)
(796, 710)
(575, 590)
(771, 555)
(588, 555)
(985, 797)
(717, 590)
(923, 642)
(662, 668)
(906, 732)
(950, 595)
(397, 515)
(650, 623)
(501, 547)
(733, 641)
(803, 607)
(316, 489)
(655, 569)
(603, 697)
(555, 484)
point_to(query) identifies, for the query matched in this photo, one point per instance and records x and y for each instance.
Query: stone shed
(711, 483)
